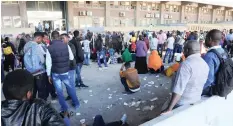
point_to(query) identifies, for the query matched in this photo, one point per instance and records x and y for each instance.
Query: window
(229, 13)
(10, 2)
(32, 5)
(56, 6)
(88, 3)
(44, 5)
(7, 22)
(17, 21)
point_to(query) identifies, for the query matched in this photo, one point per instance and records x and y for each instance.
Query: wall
(214, 111)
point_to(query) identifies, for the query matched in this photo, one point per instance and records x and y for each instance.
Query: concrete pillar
(23, 14)
(137, 14)
(213, 16)
(107, 13)
(162, 7)
(70, 15)
(182, 14)
(225, 15)
(199, 15)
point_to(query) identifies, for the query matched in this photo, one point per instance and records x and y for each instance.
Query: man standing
(212, 42)
(34, 61)
(86, 48)
(161, 39)
(189, 81)
(76, 41)
(58, 59)
(169, 51)
(229, 39)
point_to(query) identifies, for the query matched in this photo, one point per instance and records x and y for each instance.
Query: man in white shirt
(190, 78)
(153, 42)
(169, 51)
(86, 49)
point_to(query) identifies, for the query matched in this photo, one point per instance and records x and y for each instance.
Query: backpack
(31, 62)
(224, 76)
(7, 50)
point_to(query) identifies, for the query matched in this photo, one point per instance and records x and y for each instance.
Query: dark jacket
(99, 44)
(79, 52)
(29, 113)
(60, 57)
(73, 62)
(22, 43)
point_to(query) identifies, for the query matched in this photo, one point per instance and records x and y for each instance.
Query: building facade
(81, 14)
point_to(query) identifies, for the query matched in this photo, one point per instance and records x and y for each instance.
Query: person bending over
(129, 78)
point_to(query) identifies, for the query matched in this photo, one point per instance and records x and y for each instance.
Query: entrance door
(48, 26)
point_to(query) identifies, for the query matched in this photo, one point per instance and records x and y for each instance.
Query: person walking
(86, 48)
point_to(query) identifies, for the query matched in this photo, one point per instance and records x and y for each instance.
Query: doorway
(48, 26)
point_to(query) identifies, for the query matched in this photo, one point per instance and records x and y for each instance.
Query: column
(199, 15)
(23, 14)
(182, 14)
(107, 13)
(162, 8)
(225, 15)
(213, 16)
(137, 14)
(70, 15)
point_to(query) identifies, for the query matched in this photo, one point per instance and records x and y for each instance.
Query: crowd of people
(47, 64)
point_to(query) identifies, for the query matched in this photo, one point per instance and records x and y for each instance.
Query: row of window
(44, 5)
(10, 2)
(81, 22)
(11, 21)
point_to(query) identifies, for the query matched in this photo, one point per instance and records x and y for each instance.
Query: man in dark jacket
(79, 58)
(22, 43)
(20, 109)
(58, 58)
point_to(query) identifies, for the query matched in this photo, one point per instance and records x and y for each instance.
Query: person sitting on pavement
(174, 68)
(129, 78)
(213, 38)
(155, 63)
(189, 81)
(20, 108)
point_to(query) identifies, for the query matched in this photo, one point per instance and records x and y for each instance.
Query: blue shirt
(213, 62)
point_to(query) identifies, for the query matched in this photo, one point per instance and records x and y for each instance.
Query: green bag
(126, 56)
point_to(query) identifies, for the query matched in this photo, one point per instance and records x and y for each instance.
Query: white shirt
(86, 45)
(49, 60)
(153, 43)
(190, 79)
(170, 42)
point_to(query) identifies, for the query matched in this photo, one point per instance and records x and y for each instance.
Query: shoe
(83, 85)
(68, 98)
(105, 68)
(123, 119)
(78, 85)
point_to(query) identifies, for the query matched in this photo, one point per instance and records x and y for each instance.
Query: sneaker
(100, 68)
(78, 85)
(54, 96)
(123, 119)
(83, 85)
(105, 68)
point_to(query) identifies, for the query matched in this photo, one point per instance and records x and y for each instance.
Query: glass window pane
(7, 22)
(56, 6)
(14, 2)
(32, 5)
(43, 6)
(17, 21)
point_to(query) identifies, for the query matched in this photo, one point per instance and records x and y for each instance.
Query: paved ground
(105, 97)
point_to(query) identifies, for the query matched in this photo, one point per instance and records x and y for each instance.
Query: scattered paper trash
(157, 76)
(143, 101)
(110, 97)
(149, 85)
(133, 103)
(110, 94)
(91, 95)
(138, 109)
(90, 91)
(108, 89)
(146, 108)
(152, 107)
(114, 91)
(120, 98)
(109, 106)
(144, 78)
(82, 121)
(78, 114)
(166, 88)
(161, 84)
(85, 101)
(126, 104)
(154, 99)
(156, 86)
(149, 92)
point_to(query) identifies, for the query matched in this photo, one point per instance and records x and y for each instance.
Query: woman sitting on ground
(155, 62)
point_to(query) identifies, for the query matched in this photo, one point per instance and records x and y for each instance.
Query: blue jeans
(2, 71)
(99, 53)
(58, 79)
(168, 52)
(177, 49)
(87, 58)
(78, 74)
(160, 49)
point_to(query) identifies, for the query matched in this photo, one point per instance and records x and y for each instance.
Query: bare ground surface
(104, 97)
